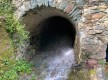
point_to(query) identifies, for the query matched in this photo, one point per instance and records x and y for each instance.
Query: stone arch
(52, 30)
(32, 10)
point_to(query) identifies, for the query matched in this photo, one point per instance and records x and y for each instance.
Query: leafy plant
(15, 29)
(15, 70)
(10, 68)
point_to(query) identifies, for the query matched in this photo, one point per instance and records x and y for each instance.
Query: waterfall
(56, 61)
(60, 65)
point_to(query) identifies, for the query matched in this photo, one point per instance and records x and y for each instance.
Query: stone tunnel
(70, 19)
(50, 27)
(81, 24)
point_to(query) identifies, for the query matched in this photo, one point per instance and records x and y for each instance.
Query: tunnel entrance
(55, 30)
(107, 54)
(55, 47)
(52, 38)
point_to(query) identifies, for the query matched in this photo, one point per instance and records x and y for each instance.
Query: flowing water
(56, 62)
(60, 65)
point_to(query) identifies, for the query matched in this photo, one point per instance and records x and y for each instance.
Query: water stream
(55, 62)
(60, 65)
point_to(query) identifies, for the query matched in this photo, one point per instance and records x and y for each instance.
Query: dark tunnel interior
(55, 30)
(107, 54)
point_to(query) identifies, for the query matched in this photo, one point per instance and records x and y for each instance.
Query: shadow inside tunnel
(54, 56)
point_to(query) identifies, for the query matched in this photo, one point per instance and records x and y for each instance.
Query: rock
(40, 2)
(106, 10)
(103, 6)
(95, 11)
(17, 3)
(33, 3)
(69, 8)
(91, 32)
(23, 8)
(93, 2)
(59, 1)
(105, 32)
(63, 5)
(91, 63)
(88, 16)
(104, 38)
(97, 16)
(27, 5)
(19, 14)
(86, 11)
(99, 29)
(83, 19)
(94, 7)
(80, 2)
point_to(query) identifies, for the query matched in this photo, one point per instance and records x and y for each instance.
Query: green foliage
(14, 27)
(22, 66)
(33, 77)
(79, 74)
(15, 70)
(11, 69)
(101, 62)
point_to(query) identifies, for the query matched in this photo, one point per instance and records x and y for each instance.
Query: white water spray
(60, 65)
(56, 62)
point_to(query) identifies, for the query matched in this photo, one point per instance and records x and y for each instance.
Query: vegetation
(13, 72)
(14, 28)
(10, 68)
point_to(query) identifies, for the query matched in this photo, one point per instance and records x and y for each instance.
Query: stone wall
(94, 29)
(90, 19)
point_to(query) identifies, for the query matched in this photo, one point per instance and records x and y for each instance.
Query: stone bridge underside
(88, 20)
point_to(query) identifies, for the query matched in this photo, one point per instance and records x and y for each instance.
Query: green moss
(15, 70)
(13, 27)
(92, 72)
(10, 68)
(79, 74)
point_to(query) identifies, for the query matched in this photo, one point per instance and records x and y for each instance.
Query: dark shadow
(53, 31)
(107, 54)
(53, 41)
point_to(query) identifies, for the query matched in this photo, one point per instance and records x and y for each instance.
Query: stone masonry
(89, 16)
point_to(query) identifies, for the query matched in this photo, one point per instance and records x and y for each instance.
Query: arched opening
(55, 42)
(55, 31)
(52, 38)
